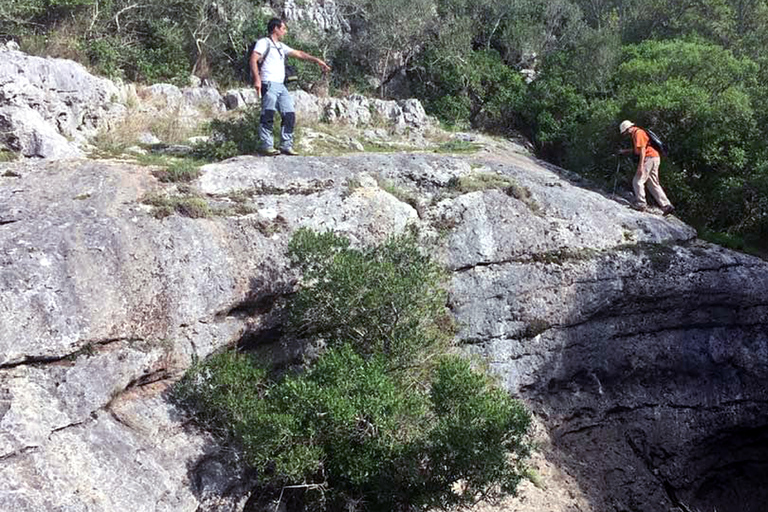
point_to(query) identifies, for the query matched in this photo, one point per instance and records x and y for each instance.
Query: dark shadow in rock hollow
(220, 479)
(657, 399)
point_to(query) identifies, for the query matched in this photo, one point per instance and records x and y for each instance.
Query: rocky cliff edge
(642, 351)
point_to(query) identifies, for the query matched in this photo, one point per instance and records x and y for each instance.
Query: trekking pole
(616, 174)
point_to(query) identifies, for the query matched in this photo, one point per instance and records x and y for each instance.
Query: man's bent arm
(641, 161)
(254, 63)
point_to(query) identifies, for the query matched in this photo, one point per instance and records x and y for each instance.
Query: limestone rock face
(52, 108)
(28, 133)
(71, 102)
(642, 351)
(187, 100)
(355, 110)
(323, 14)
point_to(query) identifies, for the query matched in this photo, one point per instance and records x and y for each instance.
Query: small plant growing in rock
(7, 156)
(238, 136)
(523, 194)
(184, 171)
(458, 146)
(382, 419)
(187, 206)
(479, 181)
(401, 194)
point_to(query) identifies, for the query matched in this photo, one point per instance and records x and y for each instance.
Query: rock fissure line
(483, 264)
(19, 452)
(580, 430)
(555, 256)
(622, 336)
(271, 190)
(523, 339)
(690, 327)
(150, 378)
(726, 266)
(84, 350)
(6, 222)
(623, 409)
(35, 361)
(669, 490)
(112, 341)
(65, 427)
(122, 421)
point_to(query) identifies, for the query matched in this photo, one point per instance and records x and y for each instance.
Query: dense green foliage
(383, 419)
(695, 72)
(386, 299)
(705, 100)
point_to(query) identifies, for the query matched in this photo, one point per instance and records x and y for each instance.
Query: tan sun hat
(625, 125)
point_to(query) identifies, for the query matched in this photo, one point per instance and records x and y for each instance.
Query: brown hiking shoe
(639, 207)
(667, 210)
(269, 152)
(289, 151)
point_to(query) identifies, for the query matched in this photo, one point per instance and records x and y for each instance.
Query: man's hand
(257, 86)
(305, 56)
(325, 67)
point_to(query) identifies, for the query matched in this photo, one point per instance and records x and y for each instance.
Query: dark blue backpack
(656, 142)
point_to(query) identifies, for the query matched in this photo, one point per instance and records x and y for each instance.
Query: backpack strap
(269, 46)
(278, 48)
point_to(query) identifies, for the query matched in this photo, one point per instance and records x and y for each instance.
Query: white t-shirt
(273, 67)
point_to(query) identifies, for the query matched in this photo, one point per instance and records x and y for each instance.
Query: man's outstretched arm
(305, 56)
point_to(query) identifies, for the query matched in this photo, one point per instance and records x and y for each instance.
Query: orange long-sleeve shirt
(640, 139)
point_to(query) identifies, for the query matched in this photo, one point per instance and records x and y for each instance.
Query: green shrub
(6, 155)
(386, 299)
(480, 180)
(478, 89)
(351, 427)
(190, 206)
(239, 136)
(106, 55)
(350, 431)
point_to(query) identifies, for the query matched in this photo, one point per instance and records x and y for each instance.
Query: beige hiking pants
(650, 176)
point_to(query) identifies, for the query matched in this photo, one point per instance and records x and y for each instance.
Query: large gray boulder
(45, 101)
(355, 110)
(322, 14)
(641, 349)
(25, 131)
(187, 101)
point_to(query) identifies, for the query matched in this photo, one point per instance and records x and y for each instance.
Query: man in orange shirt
(647, 168)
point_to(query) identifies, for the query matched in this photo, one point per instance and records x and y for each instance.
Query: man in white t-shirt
(268, 70)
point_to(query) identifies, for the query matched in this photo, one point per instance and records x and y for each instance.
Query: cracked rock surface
(642, 351)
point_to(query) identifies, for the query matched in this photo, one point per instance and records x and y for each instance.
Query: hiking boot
(289, 151)
(269, 152)
(639, 207)
(667, 210)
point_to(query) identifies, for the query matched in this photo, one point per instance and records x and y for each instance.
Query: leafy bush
(239, 136)
(234, 137)
(178, 171)
(478, 89)
(704, 101)
(350, 430)
(386, 299)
